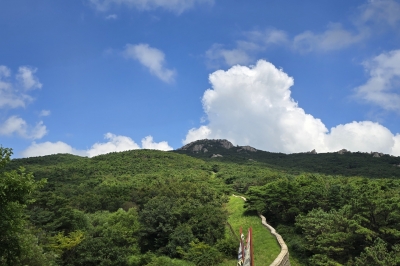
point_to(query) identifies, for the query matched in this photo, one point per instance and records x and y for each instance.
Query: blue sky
(94, 76)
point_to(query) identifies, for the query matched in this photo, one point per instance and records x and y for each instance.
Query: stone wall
(283, 257)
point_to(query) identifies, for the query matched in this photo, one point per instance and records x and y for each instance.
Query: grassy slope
(266, 248)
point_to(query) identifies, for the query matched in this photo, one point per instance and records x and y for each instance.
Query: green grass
(266, 248)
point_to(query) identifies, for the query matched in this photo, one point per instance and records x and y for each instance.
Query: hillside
(167, 200)
(146, 207)
(373, 165)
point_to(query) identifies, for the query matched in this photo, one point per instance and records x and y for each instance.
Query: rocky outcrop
(312, 152)
(197, 147)
(216, 155)
(205, 150)
(343, 151)
(186, 147)
(247, 148)
(226, 144)
(376, 154)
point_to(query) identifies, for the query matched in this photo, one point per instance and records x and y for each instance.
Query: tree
(15, 190)
(331, 236)
(378, 255)
(110, 240)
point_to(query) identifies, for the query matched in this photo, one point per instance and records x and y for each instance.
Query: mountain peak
(203, 144)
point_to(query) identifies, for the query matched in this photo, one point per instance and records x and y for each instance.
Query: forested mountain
(146, 207)
(346, 163)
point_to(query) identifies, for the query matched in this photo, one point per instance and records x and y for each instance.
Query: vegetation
(266, 248)
(346, 164)
(148, 207)
(130, 208)
(329, 220)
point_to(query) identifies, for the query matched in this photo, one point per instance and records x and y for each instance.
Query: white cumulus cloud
(148, 143)
(16, 125)
(396, 146)
(383, 86)
(114, 143)
(253, 106)
(47, 148)
(151, 58)
(176, 6)
(363, 136)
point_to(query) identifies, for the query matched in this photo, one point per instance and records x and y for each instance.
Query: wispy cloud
(27, 79)
(364, 24)
(383, 86)
(370, 16)
(217, 56)
(245, 50)
(176, 6)
(45, 113)
(334, 38)
(385, 12)
(152, 58)
(14, 94)
(112, 17)
(268, 37)
(15, 125)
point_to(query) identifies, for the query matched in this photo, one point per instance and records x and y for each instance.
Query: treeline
(131, 208)
(327, 220)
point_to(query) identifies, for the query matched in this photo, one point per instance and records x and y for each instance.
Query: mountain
(343, 162)
(173, 204)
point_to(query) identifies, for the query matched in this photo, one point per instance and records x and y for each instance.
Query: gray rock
(226, 144)
(216, 155)
(205, 150)
(248, 148)
(312, 152)
(197, 147)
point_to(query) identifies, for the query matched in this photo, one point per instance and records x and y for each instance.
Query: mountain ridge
(342, 162)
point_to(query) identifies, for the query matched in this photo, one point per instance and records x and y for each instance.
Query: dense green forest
(345, 164)
(130, 208)
(146, 207)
